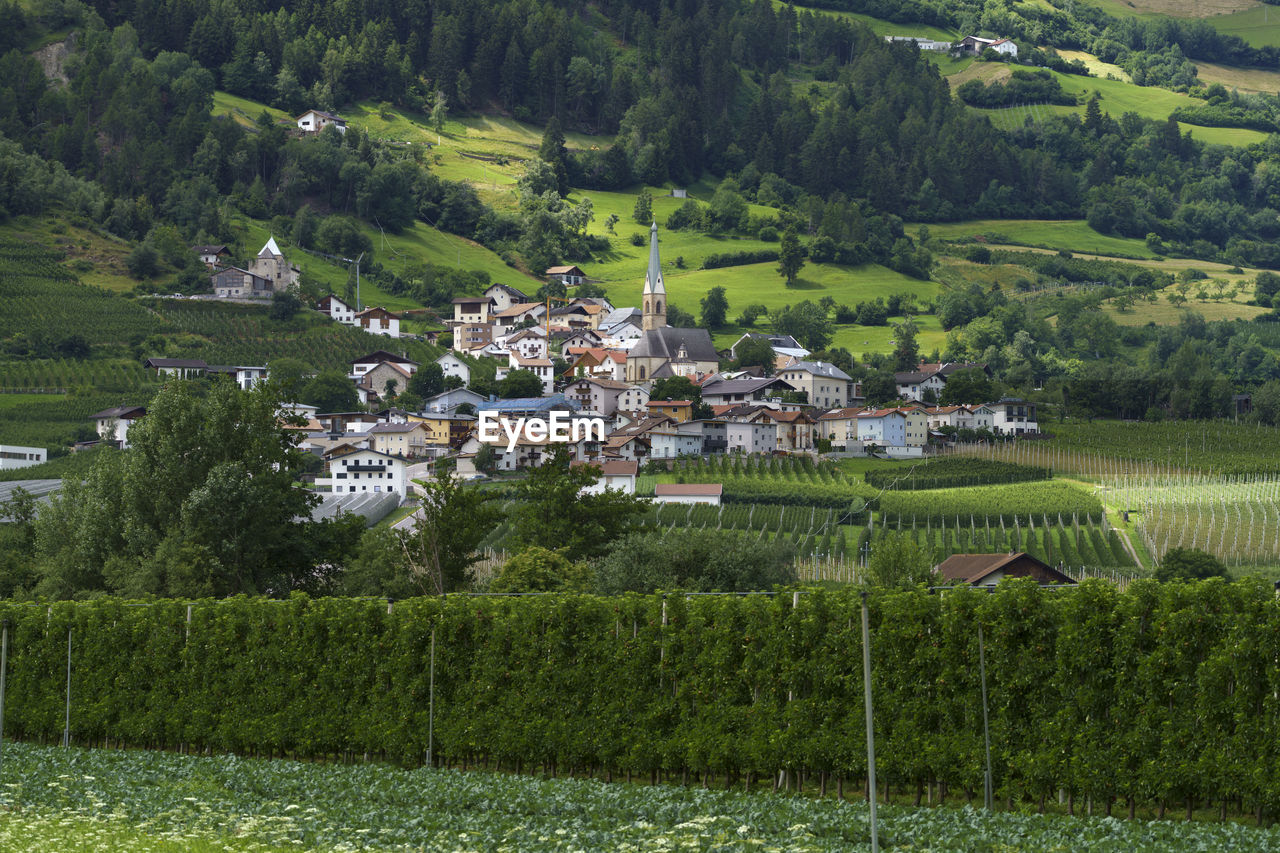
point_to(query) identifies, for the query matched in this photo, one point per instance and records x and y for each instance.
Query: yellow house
(680, 410)
(403, 440)
(444, 429)
(917, 433)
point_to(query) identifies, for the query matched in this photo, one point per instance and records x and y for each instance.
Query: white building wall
(13, 456)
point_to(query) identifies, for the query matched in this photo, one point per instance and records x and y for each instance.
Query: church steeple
(654, 298)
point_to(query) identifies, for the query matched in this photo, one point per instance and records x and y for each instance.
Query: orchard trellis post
(871, 731)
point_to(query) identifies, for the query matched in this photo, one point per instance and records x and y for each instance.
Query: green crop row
(1162, 693)
(1082, 545)
(950, 471)
(1019, 502)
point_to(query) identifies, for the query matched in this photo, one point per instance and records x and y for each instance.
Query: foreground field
(94, 800)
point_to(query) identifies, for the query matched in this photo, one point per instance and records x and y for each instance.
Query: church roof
(666, 343)
(653, 278)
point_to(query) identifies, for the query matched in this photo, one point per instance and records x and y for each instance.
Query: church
(664, 351)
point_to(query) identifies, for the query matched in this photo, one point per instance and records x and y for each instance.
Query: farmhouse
(113, 424)
(569, 276)
(212, 256)
(616, 474)
(314, 121)
(975, 45)
(990, 569)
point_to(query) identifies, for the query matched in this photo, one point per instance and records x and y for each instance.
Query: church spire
(654, 297)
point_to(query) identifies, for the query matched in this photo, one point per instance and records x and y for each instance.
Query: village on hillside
(616, 357)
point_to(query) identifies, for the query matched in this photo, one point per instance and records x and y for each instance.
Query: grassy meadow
(1118, 98)
(879, 26)
(1074, 235)
(1259, 25)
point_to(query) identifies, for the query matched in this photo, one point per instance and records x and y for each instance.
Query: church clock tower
(654, 300)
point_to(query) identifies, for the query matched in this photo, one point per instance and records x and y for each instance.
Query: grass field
(1162, 313)
(760, 283)
(1096, 65)
(1118, 98)
(880, 26)
(1074, 235)
(1173, 8)
(1259, 25)
(243, 110)
(1244, 79)
(396, 251)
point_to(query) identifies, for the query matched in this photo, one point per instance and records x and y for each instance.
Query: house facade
(314, 121)
(356, 470)
(454, 366)
(235, 283)
(379, 321)
(337, 310)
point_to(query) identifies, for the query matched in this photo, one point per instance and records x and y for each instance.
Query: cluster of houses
(267, 274)
(611, 360)
(967, 46)
(270, 272)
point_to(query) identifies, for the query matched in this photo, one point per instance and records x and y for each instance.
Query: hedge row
(1162, 693)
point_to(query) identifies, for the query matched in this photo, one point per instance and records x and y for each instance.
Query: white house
(14, 456)
(349, 470)
(688, 493)
(113, 424)
(244, 375)
(540, 367)
(976, 45)
(337, 310)
(1012, 416)
(379, 321)
(530, 343)
(748, 437)
(616, 474)
(452, 365)
(314, 121)
(472, 310)
(669, 443)
(447, 401)
(504, 296)
(362, 365)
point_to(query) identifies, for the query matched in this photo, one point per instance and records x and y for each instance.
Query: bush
(696, 561)
(1188, 564)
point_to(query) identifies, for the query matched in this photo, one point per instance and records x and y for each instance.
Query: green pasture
(244, 110)
(879, 26)
(1259, 26)
(1164, 313)
(860, 339)
(419, 243)
(1118, 98)
(760, 283)
(1074, 235)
